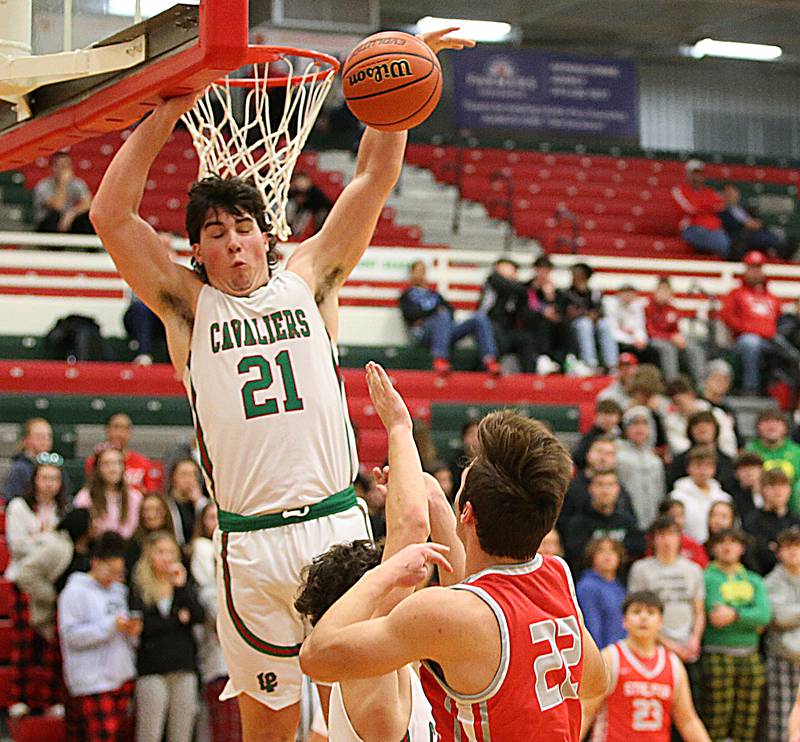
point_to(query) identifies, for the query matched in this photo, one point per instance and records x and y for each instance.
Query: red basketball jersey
(640, 703)
(534, 694)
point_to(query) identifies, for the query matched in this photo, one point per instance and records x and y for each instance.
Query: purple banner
(513, 89)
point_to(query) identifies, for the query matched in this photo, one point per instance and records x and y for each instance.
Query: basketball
(392, 81)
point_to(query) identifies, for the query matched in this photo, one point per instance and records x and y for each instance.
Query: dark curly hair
(332, 574)
(234, 196)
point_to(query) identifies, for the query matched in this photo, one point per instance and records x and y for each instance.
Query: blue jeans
(751, 349)
(440, 332)
(143, 326)
(710, 241)
(584, 329)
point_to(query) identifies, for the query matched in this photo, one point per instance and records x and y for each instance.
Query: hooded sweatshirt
(697, 503)
(97, 657)
(751, 309)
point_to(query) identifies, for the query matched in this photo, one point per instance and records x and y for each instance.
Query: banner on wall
(516, 89)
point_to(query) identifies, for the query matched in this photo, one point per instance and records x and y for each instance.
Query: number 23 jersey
(534, 694)
(268, 399)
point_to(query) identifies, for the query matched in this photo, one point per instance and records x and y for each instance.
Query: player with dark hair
(649, 688)
(505, 653)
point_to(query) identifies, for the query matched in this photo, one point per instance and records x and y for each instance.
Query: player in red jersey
(649, 688)
(505, 654)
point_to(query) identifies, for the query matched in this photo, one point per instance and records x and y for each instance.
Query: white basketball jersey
(420, 724)
(268, 400)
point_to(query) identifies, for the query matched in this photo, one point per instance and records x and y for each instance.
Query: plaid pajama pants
(732, 695)
(37, 678)
(101, 717)
(783, 677)
(226, 726)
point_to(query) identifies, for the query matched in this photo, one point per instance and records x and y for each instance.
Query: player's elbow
(314, 661)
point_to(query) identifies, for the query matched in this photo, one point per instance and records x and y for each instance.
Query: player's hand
(436, 42)
(381, 477)
(412, 566)
(177, 106)
(387, 401)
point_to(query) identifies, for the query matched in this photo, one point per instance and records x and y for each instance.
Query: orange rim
(260, 54)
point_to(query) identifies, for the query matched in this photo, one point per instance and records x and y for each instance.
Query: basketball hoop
(251, 147)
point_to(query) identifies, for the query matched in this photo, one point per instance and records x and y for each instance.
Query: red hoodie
(751, 309)
(662, 320)
(700, 206)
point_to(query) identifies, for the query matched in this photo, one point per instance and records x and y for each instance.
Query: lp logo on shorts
(267, 681)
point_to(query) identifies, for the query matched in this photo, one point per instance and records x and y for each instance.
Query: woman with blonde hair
(114, 506)
(166, 689)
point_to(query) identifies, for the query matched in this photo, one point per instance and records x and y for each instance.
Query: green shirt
(787, 457)
(743, 591)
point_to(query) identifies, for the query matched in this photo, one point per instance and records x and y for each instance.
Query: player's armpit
(595, 680)
(414, 630)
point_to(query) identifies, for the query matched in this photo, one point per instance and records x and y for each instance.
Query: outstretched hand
(436, 42)
(180, 104)
(386, 399)
(412, 565)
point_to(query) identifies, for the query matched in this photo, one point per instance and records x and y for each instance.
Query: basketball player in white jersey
(257, 352)
(392, 707)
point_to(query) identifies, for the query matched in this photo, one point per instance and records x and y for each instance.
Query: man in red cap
(751, 312)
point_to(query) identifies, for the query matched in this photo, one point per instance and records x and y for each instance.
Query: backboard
(181, 49)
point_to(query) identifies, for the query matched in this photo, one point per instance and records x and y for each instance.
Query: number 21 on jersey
(292, 401)
(556, 658)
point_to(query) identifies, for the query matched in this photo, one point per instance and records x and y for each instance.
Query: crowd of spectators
(114, 596)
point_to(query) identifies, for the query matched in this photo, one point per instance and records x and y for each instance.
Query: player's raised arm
(143, 261)
(594, 688)
(443, 531)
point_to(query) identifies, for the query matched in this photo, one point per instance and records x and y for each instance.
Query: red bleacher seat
(6, 679)
(3, 554)
(37, 729)
(7, 637)
(6, 597)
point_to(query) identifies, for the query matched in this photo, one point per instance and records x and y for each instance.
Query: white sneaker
(546, 365)
(18, 710)
(582, 369)
(56, 711)
(143, 359)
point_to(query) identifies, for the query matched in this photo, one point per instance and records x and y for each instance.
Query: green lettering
(214, 340)
(249, 338)
(301, 320)
(277, 318)
(262, 340)
(290, 326)
(227, 343)
(269, 328)
(236, 326)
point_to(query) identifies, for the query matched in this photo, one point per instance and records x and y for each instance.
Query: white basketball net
(250, 147)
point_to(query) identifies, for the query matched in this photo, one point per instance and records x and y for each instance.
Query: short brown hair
(701, 453)
(679, 385)
(771, 413)
(788, 537)
(596, 543)
(609, 406)
(516, 484)
(776, 475)
(704, 416)
(748, 458)
(647, 379)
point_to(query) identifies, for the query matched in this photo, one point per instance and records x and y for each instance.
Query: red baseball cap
(754, 258)
(628, 359)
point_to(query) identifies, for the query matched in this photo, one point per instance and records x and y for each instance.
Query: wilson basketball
(392, 81)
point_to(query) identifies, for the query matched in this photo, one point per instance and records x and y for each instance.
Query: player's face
(642, 621)
(232, 249)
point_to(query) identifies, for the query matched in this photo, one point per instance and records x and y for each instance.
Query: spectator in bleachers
(469, 446)
(679, 584)
(307, 207)
(602, 518)
(600, 593)
(154, 517)
(699, 491)
(689, 548)
(602, 456)
(429, 319)
(747, 231)
(640, 470)
(551, 544)
(783, 637)
(738, 610)
(777, 450)
(662, 325)
(700, 205)
(714, 388)
(502, 299)
(607, 419)
(625, 314)
(542, 318)
(685, 404)
(113, 504)
(443, 474)
(618, 390)
(745, 490)
(224, 715)
(702, 429)
(185, 498)
(97, 635)
(646, 389)
(765, 523)
(140, 472)
(62, 200)
(751, 313)
(166, 686)
(37, 437)
(582, 308)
